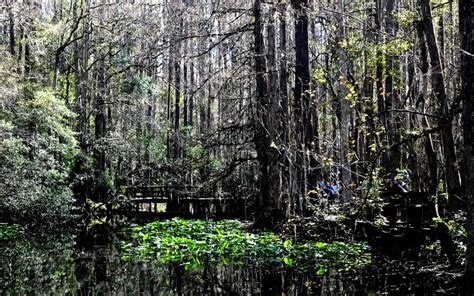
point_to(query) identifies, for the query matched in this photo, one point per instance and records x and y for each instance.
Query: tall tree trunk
(313, 133)
(20, 45)
(273, 101)
(390, 91)
(210, 99)
(365, 151)
(191, 96)
(428, 141)
(168, 97)
(177, 77)
(303, 124)
(439, 91)
(466, 22)
(202, 118)
(344, 110)
(441, 41)
(28, 62)
(100, 132)
(379, 83)
(185, 94)
(11, 31)
(265, 129)
(202, 96)
(80, 82)
(284, 120)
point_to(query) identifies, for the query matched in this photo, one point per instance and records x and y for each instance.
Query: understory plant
(8, 231)
(37, 150)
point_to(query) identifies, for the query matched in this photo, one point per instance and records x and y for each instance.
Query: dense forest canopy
(274, 103)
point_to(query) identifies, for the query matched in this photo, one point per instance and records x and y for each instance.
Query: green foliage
(197, 243)
(65, 89)
(9, 231)
(404, 177)
(141, 87)
(408, 17)
(37, 154)
(441, 193)
(372, 185)
(457, 231)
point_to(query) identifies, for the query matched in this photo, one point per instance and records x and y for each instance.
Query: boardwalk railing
(181, 200)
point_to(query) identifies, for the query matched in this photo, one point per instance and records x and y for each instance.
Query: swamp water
(116, 263)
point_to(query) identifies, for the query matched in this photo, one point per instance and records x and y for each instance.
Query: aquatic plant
(197, 243)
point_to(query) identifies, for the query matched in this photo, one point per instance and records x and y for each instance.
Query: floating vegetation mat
(198, 243)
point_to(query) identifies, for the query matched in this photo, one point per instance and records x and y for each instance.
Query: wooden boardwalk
(184, 201)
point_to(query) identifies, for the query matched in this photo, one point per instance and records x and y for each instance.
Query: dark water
(84, 263)
(75, 263)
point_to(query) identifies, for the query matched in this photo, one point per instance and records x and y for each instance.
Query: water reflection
(84, 263)
(88, 263)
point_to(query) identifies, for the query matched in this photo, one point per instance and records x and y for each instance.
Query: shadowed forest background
(328, 120)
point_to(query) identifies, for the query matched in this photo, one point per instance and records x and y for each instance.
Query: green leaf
(288, 261)
(321, 271)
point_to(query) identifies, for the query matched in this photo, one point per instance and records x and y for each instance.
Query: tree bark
(380, 85)
(344, 110)
(191, 96)
(284, 119)
(11, 31)
(303, 124)
(28, 62)
(185, 94)
(391, 92)
(20, 45)
(80, 82)
(202, 96)
(439, 91)
(177, 77)
(466, 22)
(273, 98)
(100, 132)
(265, 129)
(168, 98)
(428, 141)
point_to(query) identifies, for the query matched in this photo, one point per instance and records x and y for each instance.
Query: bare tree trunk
(428, 141)
(391, 92)
(313, 133)
(303, 124)
(80, 83)
(284, 120)
(177, 77)
(185, 94)
(168, 98)
(274, 97)
(28, 62)
(20, 45)
(466, 21)
(202, 96)
(345, 111)
(100, 132)
(265, 132)
(11, 31)
(210, 100)
(380, 85)
(437, 80)
(191, 97)
(441, 41)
